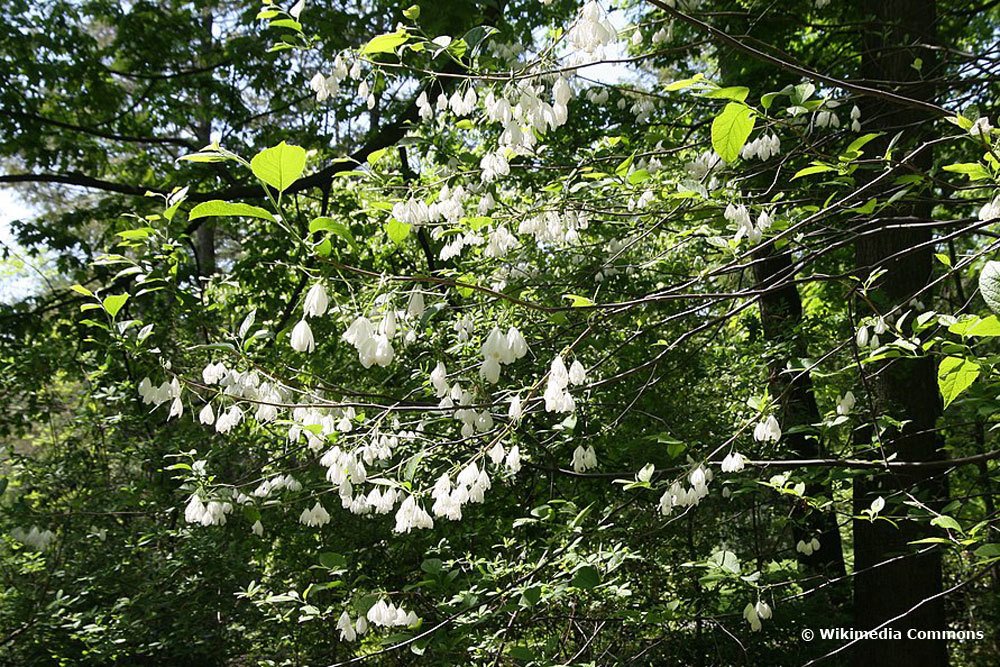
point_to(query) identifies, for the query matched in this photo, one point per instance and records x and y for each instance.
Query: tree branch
(784, 62)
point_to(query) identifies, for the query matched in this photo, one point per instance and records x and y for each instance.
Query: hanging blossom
(584, 458)
(679, 496)
(807, 548)
(981, 128)
(212, 513)
(755, 613)
(424, 106)
(500, 348)
(388, 615)
(316, 301)
(411, 515)
(733, 462)
(167, 391)
(557, 397)
(768, 430)
(302, 338)
(991, 210)
(315, 516)
(34, 537)
(592, 30)
(763, 148)
(855, 118)
(846, 404)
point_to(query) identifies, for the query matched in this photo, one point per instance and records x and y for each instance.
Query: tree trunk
(781, 317)
(896, 35)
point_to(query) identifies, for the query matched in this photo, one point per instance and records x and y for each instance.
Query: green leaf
(397, 231)
(204, 156)
(578, 301)
(961, 121)
(988, 551)
(989, 285)
(135, 234)
(531, 596)
(217, 208)
(977, 326)
(337, 227)
(974, 170)
(376, 155)
(586, 577)
(638, 176)
(767, 99)
(731, 129)
(860, 142)
(734, 93)
(945, 521)
(286, 23)
(387, 43)
(625, 165)
(684, 83)
(955, 375)
(112, 304)
(412, 13)
(80, 289)
(814, 169)
(279, 166)
(332, 561)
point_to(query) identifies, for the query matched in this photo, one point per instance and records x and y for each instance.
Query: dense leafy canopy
(512, 332)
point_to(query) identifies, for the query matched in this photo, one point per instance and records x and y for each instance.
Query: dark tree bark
(781, 319)
(896, 34)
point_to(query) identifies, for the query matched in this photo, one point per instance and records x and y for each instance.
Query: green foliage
(610, 237)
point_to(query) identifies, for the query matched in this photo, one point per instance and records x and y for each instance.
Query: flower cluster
(212, 513)
(411, 515)
(500, 348)
(592, 30)
(349, 631)
(315, 516)
(557, 397)
(733, 462)
(827, 118)
(745, 226)
(387, 615)
(990, 210)
(767, 430)
(846, 404)
(584, 458)
(678, 496)
(37, 539)
(470, 487)
(868, 334)
(373, 342)
(763, 148)
(328, 86)
(807, 548)
(755, 613)
(167, 391)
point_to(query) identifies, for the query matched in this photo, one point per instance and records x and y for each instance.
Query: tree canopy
(516, 332)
